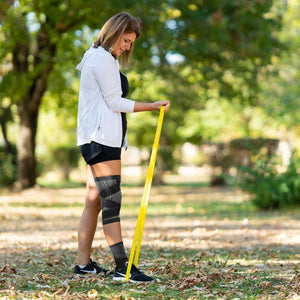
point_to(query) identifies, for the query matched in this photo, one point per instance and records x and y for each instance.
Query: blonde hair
(114, 28)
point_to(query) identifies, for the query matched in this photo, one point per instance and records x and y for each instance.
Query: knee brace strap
(109, 189)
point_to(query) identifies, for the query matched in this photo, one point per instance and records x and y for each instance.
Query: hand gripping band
(109, 189)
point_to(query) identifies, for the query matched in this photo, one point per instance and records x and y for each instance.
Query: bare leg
(111, 231)
(88, 221)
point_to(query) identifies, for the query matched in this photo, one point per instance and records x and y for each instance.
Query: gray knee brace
(109, 189)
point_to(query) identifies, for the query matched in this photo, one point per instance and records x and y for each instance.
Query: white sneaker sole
(130, 280)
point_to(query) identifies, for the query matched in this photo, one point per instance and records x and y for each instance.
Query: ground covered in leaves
(198, 243)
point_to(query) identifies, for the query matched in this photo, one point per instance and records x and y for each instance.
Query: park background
(226, 188)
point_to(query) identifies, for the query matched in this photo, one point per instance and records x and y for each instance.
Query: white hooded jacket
(100, 103)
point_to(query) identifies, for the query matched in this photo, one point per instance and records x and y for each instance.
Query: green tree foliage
(228, 41)
(281, 89)
(36, 37)
(205, 51)
(269, 188)
(189, 52)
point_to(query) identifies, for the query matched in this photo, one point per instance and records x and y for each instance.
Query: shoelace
(135, 269)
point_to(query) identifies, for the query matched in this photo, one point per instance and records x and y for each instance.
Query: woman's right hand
(158, 104)
(142, 106)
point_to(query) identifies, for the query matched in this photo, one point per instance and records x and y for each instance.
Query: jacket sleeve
(107, 74)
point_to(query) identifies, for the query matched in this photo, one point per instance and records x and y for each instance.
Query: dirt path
(49, 217)
(187, 220)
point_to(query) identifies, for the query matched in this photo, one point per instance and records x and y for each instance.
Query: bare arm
(142, 106)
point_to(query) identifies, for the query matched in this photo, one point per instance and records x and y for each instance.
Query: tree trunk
(28, 111)
(26, 146)
(28, 106)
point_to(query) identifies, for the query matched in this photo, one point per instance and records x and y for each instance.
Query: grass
(182, 276)
(63, 184)
(199, 243)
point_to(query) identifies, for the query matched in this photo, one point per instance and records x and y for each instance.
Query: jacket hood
(92, 51)
(86, 55)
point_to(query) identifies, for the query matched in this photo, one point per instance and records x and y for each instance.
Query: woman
(101, 133)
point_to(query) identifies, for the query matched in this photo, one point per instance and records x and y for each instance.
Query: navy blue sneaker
(135, 276)
(90, 268)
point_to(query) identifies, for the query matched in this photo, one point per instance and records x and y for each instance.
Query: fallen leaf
(8, 269)
(92, 294)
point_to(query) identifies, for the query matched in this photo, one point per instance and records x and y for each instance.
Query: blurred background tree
(208, 58)
(280, 99)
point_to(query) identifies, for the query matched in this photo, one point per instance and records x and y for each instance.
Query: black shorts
(94, 153)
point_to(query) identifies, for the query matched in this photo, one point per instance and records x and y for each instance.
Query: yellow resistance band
(137, 239)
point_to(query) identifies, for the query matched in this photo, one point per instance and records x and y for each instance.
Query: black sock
(119, 254)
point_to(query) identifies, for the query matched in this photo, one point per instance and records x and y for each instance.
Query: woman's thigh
(106, 168)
